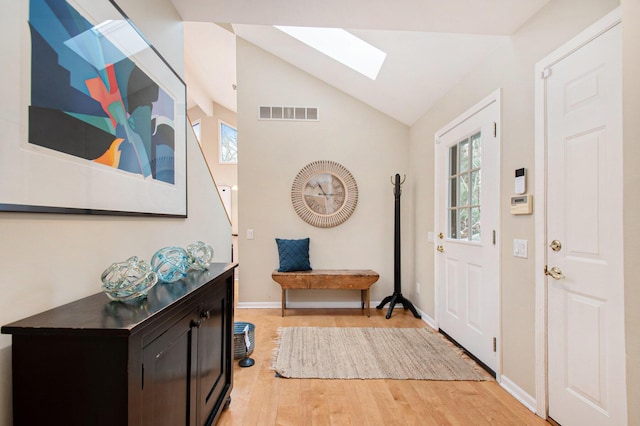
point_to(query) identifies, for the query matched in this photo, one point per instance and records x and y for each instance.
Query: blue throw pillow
(294, 255)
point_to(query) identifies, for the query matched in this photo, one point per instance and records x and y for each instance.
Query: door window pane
(463, 224)
(464, 190)
(475, 188)
(476, 151)
(465, 187)
(464, 156)
(453, 224)
(475, 224)
(453, 192)
(453, 160)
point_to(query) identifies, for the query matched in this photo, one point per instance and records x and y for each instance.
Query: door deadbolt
(555, 245)
(441, 235)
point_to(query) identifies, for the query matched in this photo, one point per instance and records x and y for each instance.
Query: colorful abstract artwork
(90, 100)
(95, 117)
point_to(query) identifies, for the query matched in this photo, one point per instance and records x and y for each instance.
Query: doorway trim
(540, 206)
(494, 97)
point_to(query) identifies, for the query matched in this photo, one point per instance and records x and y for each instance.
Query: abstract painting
(104, 101)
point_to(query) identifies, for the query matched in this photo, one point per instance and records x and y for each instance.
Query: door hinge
(546, 73)
(495, 345)
(142, 376)
(494, 237)
(495, 129)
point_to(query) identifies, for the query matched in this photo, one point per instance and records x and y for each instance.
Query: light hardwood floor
(259, 398)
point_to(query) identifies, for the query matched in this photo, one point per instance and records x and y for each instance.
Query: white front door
(467, 219)
(584, 233)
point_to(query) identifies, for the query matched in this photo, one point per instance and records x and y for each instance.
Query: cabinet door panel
(166, 385)
(213, 353)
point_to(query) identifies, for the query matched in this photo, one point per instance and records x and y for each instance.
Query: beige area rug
(370, 353)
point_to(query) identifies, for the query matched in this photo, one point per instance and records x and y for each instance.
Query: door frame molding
(494, 97)
(610, 20)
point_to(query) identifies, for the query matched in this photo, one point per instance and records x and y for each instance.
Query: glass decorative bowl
(128, 280)
(200, 255)
(170, 263)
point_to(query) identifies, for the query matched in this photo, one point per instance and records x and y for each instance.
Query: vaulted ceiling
(430, 44)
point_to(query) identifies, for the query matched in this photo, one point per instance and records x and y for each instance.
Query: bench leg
(284, 300)
(366, 303)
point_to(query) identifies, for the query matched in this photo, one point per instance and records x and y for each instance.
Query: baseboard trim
(328, 305)
(427, 319)
(518, 393)
(258, 305)
(305, 305)
(347, 304)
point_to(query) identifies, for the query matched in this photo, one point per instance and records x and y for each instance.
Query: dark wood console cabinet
(166, 360)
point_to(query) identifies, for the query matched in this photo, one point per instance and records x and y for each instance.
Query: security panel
(522, 204)
(521, 181)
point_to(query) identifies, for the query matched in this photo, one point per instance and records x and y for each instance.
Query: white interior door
(467, 219)
(586, 350)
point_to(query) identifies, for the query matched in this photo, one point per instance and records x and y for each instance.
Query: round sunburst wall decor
(324, 194)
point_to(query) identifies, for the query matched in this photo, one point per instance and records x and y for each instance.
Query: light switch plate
(520, 248)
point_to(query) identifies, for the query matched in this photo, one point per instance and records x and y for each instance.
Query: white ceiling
(210, 66)
(430, 44)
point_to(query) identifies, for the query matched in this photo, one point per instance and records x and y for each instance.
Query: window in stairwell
(228, 144)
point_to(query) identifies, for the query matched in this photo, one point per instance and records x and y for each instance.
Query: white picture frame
(46, 157)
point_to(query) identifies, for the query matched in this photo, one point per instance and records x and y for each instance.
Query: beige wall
(631, 130)
(272, 152)
(512, 69)
(48, 260)
(371, 145)
(224, 174)
(39, 250)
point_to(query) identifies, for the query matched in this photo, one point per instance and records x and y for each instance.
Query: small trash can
(239, 348)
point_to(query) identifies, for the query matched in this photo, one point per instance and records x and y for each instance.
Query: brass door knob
(440, 249)
(554, 273)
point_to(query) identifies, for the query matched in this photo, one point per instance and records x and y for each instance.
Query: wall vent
(295, 113)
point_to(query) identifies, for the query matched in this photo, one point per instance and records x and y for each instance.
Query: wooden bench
(341, 279)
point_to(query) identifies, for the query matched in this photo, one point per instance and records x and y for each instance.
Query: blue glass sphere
(170, 263)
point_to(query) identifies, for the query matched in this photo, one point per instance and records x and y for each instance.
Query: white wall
(224, 174)
(372, 146)
(48, 260)
(631, 130)
(512, 69)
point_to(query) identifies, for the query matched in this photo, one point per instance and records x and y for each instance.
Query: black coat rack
(397, 296)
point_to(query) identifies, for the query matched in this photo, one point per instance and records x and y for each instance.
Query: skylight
(342, 46)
